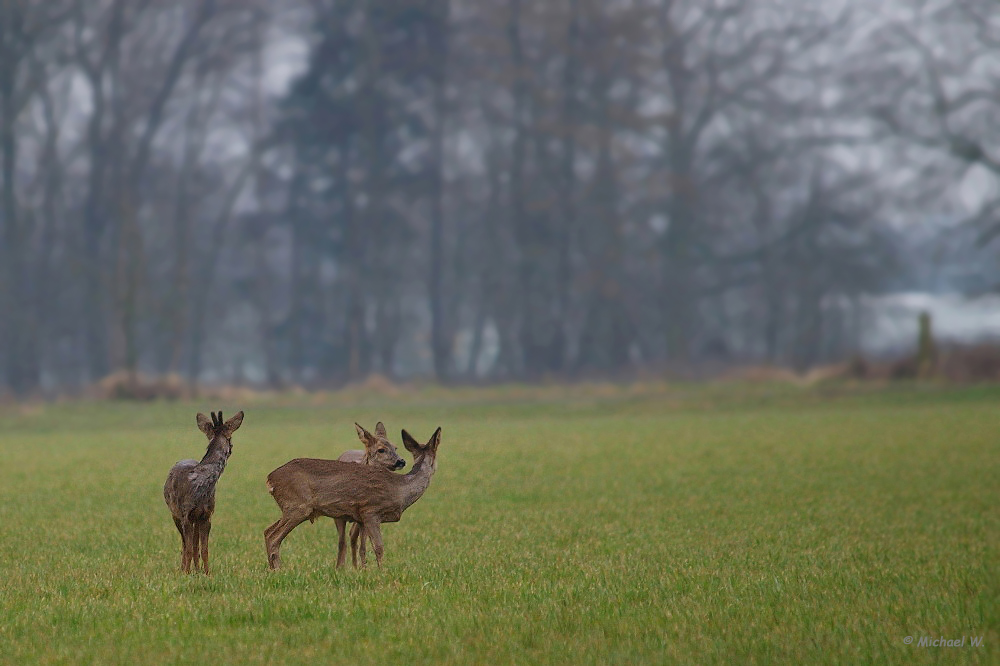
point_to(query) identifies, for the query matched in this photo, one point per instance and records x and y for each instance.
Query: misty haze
(306, 193)
(500, 332)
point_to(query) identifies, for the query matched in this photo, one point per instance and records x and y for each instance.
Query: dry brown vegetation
(956, 364)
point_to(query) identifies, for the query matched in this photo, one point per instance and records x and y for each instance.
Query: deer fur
(190, 489)
(378, 452)
(307, 488)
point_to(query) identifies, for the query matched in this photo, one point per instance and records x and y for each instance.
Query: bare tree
(27, 43)
(931, 82)
(517, 189)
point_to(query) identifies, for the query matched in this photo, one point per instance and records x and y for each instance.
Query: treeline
(504, 189)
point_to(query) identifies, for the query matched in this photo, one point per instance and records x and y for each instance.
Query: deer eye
(381, 450)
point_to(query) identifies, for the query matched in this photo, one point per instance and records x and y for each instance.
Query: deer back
(352, 456)
(178, 486)
(337, 489)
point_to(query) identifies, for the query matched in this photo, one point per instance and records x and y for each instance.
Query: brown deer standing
(307, 488)
(378, 452)
(190, 489)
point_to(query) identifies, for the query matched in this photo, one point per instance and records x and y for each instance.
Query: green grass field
(652, 524)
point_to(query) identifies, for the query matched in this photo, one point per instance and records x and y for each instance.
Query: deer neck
(216, 456)
(416, 482)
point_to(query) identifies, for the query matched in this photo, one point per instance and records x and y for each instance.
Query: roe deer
(307, 488)
(378, 452)
(190, 488)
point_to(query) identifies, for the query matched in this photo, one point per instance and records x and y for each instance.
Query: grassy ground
(597, 525)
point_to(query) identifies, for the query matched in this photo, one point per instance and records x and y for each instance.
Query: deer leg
(273, 559)
(196, 547)
(374, 531)
(187, 535)
(206, 527)
(267, 538)
(355, 531)
(180, 530)
(341, 542)
(184, 552)
(270, 530)
(285, 525)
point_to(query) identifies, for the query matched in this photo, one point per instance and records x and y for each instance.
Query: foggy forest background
(304, 192)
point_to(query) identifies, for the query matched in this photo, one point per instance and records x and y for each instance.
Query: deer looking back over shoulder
(378, 452)
(307, 488)
(190, 488)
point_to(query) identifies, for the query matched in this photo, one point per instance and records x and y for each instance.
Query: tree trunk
(570, 115)
(22, 368)
(440, 340)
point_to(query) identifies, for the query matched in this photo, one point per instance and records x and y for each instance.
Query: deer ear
(365, 436)
(205, 425)
(411, 444)
(435, 439)
(233, 423)
(380, 430)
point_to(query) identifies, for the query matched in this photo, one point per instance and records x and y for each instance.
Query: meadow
(710, 524)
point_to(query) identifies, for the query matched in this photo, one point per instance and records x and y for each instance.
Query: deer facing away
(378, 452)
(190, 489)
(307, 488)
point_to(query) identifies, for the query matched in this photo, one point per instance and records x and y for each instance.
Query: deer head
(378, 449)
(425, 453)
(217, 429)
